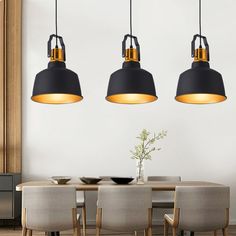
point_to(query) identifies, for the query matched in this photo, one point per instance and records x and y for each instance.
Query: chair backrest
(125, 207)
(164, 196)
(202, 208)
(80, 197)
(48, 208)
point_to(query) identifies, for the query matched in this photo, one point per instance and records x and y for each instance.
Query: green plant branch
(143, 150)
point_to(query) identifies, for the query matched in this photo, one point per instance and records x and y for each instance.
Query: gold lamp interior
(56, 98)
(131, 98)
(200, 98)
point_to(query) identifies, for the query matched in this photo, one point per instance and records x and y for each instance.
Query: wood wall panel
(10, 86)
(2, 87)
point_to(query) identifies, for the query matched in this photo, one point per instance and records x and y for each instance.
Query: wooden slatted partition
(10, 86)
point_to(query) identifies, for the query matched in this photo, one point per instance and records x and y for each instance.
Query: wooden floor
(5, 231)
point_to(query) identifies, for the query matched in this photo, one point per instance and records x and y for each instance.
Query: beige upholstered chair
(163, 199)
(199, 209)
(49, 209)
(80, 203)
(124, 208)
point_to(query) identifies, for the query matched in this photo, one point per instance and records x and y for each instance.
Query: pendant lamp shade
(200, 84)
(131, 84)
(56, 85)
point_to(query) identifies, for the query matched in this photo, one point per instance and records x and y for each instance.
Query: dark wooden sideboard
(10, 199)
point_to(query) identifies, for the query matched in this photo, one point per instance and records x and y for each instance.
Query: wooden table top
(155, 185)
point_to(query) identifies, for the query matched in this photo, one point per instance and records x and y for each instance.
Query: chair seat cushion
(162, 204)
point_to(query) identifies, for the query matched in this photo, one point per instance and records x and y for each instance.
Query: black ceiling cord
(56, 23)
(200, 22)
(131, 26)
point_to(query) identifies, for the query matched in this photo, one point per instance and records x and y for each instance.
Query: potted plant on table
(143, 151)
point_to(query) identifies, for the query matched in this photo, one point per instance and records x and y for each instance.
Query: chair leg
(149, 231)
(166, 227)
(174, 231)
(24, 231)
(97, 231)
(84, 220)
(30, 232)
(225, 231)
(76, 231)
(215, 233)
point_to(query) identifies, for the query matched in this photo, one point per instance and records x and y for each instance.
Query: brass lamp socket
(57, 54)
(131, 54)
(200, 54)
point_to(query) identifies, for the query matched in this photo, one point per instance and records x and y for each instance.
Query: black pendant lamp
(200, 84)
(131, 84)
(56, 84)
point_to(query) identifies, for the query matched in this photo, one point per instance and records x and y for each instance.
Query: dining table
(155, 185)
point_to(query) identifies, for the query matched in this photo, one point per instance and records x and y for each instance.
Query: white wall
(94, 137)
